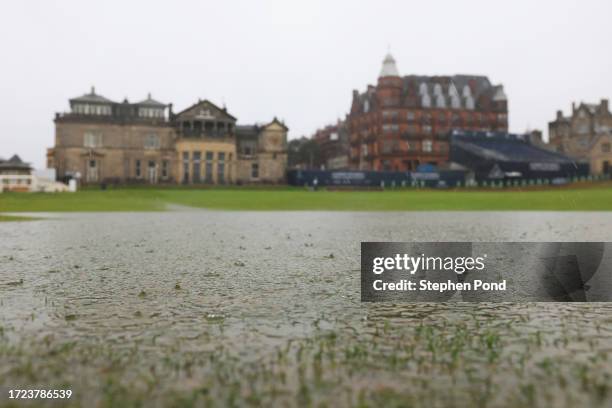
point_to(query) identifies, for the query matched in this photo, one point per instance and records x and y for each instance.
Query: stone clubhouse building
(102, 141)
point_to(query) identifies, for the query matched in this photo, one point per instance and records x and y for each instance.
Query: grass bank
(6, 218)
(583, 197)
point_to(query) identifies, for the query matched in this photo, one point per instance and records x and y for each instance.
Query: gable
(205, 110)
(276, 125)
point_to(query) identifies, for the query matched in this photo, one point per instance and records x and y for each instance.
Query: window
(164, 172)
(426, 101)
(437, 90)
(455, 102)
(390, 128)
(151, 113)
(255, 170)
(366, 106)
(427, 145)
(388, 115)
(92, 139)
(423, 88)
(583, 129)
(152, 141)
(209, 167)
(185, 167)
(197, 169)
(138, 169)
(410, 116)
(427, 129)
(387, 146)
(605, 147)
(221, 168)
(469, 102)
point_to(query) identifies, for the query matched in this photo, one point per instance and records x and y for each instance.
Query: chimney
(559, 115)
(573, 108)
(604, 105)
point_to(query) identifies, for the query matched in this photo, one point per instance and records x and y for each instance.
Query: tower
(389, 87)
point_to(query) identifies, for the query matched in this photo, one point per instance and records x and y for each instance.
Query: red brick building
(403, 122)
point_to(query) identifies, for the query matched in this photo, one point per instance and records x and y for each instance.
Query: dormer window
(426, 101)
(423, 89)
(437, 90)
(467, 91)
(366, 106)
(440, 102)
(150, 113)
(469, 103)
(91, 109)
(455, 101)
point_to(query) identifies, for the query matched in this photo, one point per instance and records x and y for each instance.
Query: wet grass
(502, 356)
(581, 197)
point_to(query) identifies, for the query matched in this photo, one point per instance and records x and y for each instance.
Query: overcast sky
(298, 61)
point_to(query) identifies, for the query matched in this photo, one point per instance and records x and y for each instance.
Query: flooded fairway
(234, 308)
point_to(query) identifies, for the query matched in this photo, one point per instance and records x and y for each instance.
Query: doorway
(152, 172)
(92, 171)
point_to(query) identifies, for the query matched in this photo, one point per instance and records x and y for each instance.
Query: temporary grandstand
(504, 156)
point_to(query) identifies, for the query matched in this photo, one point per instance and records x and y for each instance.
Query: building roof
(206, 104)
(591, 107)
(504, 147)
(247, 131)
(389, 68)
(14, 162)
(278, 122)
(151, 102)
(446, 92)
(91, 97)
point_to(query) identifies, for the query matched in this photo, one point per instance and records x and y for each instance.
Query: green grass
(585, 197)
(5, 218)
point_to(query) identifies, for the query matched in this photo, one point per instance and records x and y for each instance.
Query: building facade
(586, 135)
(102, 141)
(333, 142)
(404, 122)
(15, 175)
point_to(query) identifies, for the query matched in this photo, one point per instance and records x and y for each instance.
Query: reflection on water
(186, 287)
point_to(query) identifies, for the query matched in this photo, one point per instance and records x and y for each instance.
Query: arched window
(440, 101)
(426, 101)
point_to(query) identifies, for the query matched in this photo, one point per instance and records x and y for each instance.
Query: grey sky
(299, 61)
